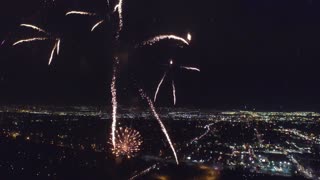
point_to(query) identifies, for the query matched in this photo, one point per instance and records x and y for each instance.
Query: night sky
(262, 54)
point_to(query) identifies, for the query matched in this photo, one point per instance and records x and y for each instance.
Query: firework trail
(58, 46)
(118, 8)
(96, 25)
(204, 134)
(2, 43)
(33, 27)
(55, 48)
(143, 172)
(163, 37)
(30, 40)
(114, 103)
(174, 93)
(128, 142)
(190, 68)
(159, 85)
(163, 128)
(80, 13)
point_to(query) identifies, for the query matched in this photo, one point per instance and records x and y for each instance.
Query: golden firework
(127, 142)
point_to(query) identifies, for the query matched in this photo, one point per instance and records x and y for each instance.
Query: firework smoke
(163, 128)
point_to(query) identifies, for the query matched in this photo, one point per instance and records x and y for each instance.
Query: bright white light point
(189, 37)
(171, 62)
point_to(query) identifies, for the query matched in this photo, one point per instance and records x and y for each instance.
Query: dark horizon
(255, 54)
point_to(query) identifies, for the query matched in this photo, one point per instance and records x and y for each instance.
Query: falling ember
(80, 13)
(33, 27)
(144, 172)
(163, 128)
(96, 25)
(30, 40)
(158, 88)
(52, 53)
(163, 37)
(174, 93)
(128, 142)
(190, 68)
(114, 103)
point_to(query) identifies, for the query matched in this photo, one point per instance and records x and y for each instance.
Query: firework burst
(128, 143)
(56, 46)
(125, 141)
(171, 65)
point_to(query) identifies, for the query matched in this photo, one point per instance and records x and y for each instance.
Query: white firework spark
(114, 103)
(52, 52)
(30, 40)
(189, 37)
(80, 13)
(163, 128)
(190, 68)
(174, 93)
(163, 37)
(118, 8)
(159, 85)
(33, 27)
(58, 46)
(96, 25)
